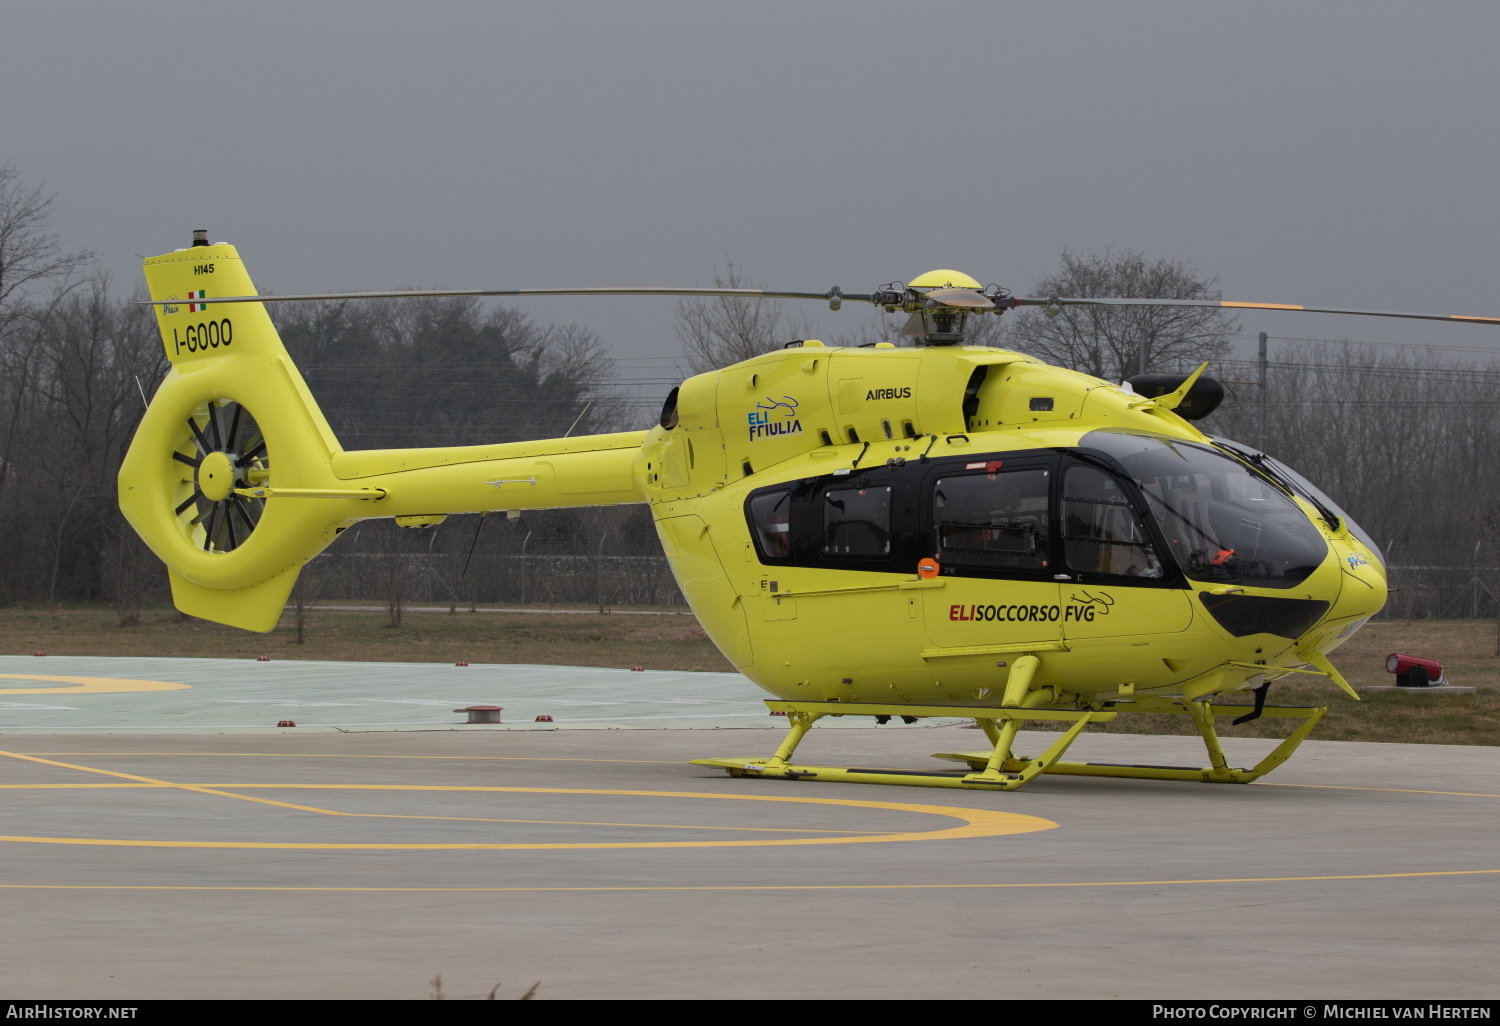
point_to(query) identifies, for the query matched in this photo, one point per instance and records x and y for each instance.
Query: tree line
(79, 359)
(1402, 438)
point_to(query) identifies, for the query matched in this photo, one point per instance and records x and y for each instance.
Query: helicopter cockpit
(1222, 522)
(1129, 509)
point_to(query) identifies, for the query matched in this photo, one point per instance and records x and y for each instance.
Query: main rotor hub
(940, 303)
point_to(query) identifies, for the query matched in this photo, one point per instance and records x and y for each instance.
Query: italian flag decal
(195, 307)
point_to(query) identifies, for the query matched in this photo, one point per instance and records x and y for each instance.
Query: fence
(542, 575)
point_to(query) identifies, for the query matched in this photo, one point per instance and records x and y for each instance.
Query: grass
(1465, 647)
(583, 639)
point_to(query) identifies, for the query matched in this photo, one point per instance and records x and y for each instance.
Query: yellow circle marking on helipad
(86, 685)
(973, 823)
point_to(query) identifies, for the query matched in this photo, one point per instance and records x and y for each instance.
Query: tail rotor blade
(234, 429)
(203, 447)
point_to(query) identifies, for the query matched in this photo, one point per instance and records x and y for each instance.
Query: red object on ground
(262, 659)
(544, 718)
(1414, 672)
(637, 669)
(461, 663)
(482, 713)
(39, 653)
(286, 723)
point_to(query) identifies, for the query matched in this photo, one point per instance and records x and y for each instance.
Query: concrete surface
(360, 865)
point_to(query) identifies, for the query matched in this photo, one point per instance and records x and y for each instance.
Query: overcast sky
(1340, 153)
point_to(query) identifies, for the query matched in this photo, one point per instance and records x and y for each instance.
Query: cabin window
(994, 520)
(771, 515)
(1101, 532)
(857, 521)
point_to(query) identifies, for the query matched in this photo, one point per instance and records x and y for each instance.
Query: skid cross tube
(998, 768)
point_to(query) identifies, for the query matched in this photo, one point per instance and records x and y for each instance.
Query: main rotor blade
(623, 290)
(1214, 304)
(955, 298)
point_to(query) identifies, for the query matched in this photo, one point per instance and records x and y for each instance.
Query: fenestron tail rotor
(196, 482)
(226, 452)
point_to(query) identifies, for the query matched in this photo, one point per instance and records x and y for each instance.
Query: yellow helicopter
(935, 531)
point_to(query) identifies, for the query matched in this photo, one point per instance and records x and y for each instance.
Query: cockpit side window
(857, 521)
(995, 520)
(770, 513)
(1101, 532)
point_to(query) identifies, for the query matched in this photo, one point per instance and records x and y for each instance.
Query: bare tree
(130, 571)
(30, 254)
(304, 593)
(1105, 341)
(448, 371)
(398, 565)
(724, 330)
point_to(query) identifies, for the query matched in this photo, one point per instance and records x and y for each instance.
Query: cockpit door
(1116, 582)
(989, 525)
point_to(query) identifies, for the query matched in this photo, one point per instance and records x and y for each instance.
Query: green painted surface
(238, 695)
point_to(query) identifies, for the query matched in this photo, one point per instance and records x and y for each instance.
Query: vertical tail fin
(232, 405)
(235, 480)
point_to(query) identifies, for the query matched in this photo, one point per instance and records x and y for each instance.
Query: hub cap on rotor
(216, 476)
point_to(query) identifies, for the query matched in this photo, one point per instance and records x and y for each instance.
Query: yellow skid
(997, 769)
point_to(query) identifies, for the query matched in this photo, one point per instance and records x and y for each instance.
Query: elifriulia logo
(774, 417)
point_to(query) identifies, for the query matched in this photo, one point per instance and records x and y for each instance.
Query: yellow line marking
(1261, 306)
(766, 887)
(975, 822)
(652, 826)
(456, 819)
(87, 685)
(1398, 790)
(302, 755)
(170, 785)
(644, 762)
(75, 787)
(166, 783)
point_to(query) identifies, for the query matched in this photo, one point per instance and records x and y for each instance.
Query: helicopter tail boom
(235, 480)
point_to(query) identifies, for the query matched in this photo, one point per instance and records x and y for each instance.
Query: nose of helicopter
(1362, 593)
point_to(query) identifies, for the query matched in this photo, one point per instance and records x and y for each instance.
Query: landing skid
(997, 768)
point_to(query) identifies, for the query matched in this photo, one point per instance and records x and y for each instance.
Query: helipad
(360, 863)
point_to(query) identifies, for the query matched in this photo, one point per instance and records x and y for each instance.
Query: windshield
(1222, 522)
(1303, 487)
